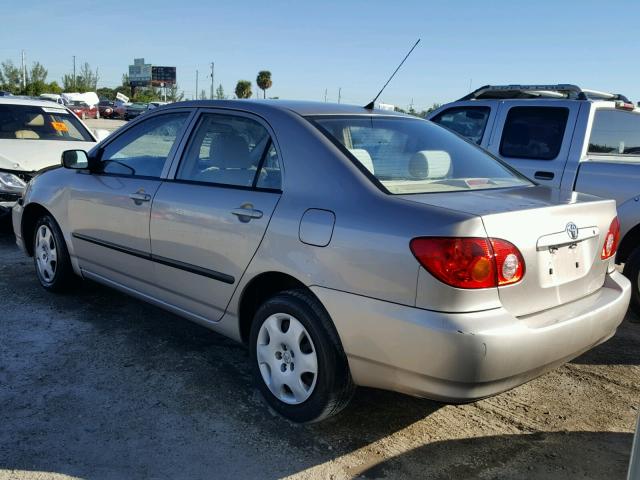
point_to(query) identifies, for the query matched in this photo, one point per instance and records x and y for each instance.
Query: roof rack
(561, 90)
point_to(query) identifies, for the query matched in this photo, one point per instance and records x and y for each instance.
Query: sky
(313, 47)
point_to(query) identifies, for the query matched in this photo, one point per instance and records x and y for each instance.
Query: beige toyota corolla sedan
(344, 246)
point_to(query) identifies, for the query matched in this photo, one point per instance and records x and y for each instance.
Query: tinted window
(414, 156)
(143, 149)
(615, 132)
(535, 133)
(469, 122)
(26, 122)
(228, 150)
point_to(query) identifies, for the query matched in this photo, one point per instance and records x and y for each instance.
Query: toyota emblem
(572, 230)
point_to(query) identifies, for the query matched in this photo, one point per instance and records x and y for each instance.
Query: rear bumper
(462, 357)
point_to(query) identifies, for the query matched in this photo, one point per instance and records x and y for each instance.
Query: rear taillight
(611, 240)
(509, 261)
(469, 262)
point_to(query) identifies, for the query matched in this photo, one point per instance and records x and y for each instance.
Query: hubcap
(287, 358)
(46, 254)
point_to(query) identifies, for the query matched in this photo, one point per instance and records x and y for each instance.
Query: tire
(317, 396)
(51, 257)
(632, 272)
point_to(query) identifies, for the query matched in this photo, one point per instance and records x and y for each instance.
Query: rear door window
(230, 150)
(470, 122)
(615, 132)
(534, 133)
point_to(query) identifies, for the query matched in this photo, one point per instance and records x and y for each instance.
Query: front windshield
(415, 156)
(27, 122)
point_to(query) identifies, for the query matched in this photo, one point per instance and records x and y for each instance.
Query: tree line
(86, 80)
(33, 81)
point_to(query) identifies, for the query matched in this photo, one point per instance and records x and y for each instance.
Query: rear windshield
(615, 132)
(26, 122)
(415, 156)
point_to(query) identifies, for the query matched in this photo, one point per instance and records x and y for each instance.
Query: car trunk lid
(560, 236)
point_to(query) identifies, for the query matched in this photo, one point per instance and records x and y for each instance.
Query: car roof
(29, 102)
(304, 108)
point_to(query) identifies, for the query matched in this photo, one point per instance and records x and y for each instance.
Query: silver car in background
(344, 246)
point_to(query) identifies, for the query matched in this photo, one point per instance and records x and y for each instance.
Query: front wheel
(50, 255)
(632, 272)
(297, 359)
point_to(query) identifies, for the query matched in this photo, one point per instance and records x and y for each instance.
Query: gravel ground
(98, 385)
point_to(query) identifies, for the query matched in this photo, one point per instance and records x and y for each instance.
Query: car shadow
(545, 455)
(622, 349)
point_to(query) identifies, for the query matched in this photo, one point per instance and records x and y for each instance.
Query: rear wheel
(50, 255)
(632, 272)
(297, 360)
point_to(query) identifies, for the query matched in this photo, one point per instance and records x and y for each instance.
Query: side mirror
(101, 133)
(75, 159)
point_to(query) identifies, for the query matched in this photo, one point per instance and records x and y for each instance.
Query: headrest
(363, 157)
(230, 151)
(27, 134)
(37, 121)
(430, 164)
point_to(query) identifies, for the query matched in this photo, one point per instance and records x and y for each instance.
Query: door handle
(544, 175)
(139, 197)
(246, 212)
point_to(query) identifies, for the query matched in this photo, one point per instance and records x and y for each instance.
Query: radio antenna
(371, 104)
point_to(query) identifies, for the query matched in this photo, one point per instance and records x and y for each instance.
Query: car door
(209, 217)
(535, 138)
(109, 208)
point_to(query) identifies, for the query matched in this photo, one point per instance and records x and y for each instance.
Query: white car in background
(33, 135)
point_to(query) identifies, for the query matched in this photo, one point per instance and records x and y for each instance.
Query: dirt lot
(98, 385)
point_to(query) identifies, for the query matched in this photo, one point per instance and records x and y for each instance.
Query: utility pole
(211, 97)
(339, 94)
(196, 84)
(24, 73)
(74, 72)
(325, 95)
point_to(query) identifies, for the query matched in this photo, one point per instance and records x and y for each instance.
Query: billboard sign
(163, 76)
(140, 73)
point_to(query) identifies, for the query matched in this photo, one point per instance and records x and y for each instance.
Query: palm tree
(243, 89)
(264, 81)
